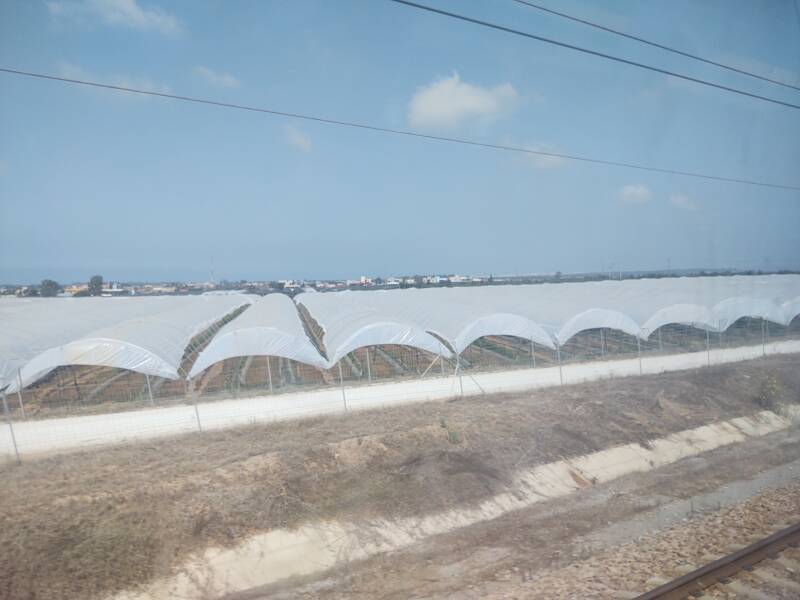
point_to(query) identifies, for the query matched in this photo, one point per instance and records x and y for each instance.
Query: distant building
(75, 289)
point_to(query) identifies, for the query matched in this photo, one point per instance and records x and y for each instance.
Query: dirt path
(112, 518)
(36, 438)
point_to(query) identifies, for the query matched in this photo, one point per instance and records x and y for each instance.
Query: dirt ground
(85, 524)
(612, 541)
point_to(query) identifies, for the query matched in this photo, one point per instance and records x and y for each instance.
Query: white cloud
(71, 71)
(298, 139)
(447, 103)
(541, 161)
(127, 13)
(682, 201)
(635, 193)
(216, 78)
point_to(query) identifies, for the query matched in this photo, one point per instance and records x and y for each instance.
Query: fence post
(19, 392)
(533, 353)
(196, 410)
(369, 368)
(149, 390)
(341, 383)
(458, 372)
(560, 372)
(639, 351)
(7, 414)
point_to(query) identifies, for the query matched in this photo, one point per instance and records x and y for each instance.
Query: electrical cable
(596, 53)
(402, 132)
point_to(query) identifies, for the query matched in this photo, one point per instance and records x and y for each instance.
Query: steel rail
(722, 569)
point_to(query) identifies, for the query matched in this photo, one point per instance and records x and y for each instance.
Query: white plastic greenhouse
(547, 314)
(149, 335)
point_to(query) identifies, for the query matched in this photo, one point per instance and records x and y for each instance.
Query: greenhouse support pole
(269, 375)
(660, 345)
(149, 389)
(602, 344)
(441, 359)
(19, 392)
(10, 427)
(763, 340)
(369, 368)
(458, 372)
(533, 353)
(639, 352)
(196, 410)
(708, 348)
(766, 327)
(341, 383)
(560, 372)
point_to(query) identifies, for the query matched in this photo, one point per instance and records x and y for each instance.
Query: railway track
(721, 570)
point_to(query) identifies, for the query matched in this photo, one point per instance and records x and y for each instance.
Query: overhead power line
(655, 44)
(404, 132)
(591, 52)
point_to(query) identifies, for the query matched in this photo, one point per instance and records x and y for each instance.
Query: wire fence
(75, 405)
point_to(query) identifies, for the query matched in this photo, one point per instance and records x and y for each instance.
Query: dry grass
(85, 524)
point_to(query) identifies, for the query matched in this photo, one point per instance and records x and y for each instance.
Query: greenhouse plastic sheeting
(352, 320)
(144, 334)
(150, 334)
(271, 327)
(549, 313)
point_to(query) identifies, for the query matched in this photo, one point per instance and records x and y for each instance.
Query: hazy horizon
(197, 275)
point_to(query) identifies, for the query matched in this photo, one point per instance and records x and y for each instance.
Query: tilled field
(87, 524)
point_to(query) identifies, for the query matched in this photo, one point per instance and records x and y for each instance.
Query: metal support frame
(369, 367)
(341, 383)
(560, 372)
(269, 376)
(533, 353)
(602, 344)
(7, 414)
(149, 389)
(441, 359)
(19, 393)
(660, 344)
(639, 352)
(196, 411)
(458, 373)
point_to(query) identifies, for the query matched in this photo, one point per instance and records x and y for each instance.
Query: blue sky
(145, 188)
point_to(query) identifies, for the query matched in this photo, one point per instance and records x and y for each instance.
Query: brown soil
(85, 524)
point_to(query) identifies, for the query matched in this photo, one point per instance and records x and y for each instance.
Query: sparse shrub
(770, 393)
(452, 435)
